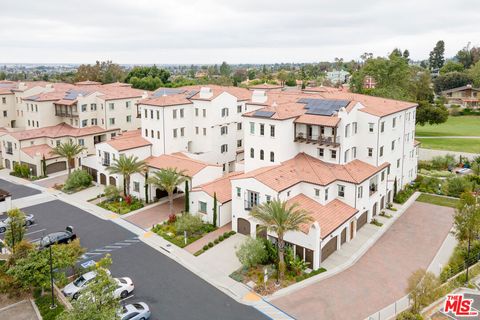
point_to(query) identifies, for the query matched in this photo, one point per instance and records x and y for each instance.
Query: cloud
(210, 31)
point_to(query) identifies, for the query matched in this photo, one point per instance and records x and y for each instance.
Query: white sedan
(29, 220)
(135, 311)
(124, 287)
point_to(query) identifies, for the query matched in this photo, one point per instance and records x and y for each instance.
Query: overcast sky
(237, 31)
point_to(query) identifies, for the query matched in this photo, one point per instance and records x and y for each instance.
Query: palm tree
(126, 166)
(278, 217)
(168, 179)
(69, 151)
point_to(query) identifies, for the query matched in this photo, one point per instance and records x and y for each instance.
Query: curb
(35, 308)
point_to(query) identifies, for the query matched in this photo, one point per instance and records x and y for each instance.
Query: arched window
(272, 156)
(252, 153)
(262, 154)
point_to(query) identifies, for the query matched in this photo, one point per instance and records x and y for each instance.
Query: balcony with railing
(105, 162)
(66, 111)
(316, 135)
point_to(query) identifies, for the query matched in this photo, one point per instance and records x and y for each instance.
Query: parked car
(124, 287)
(57, 238)
(74, 288)
(29, 220)
(135, 311)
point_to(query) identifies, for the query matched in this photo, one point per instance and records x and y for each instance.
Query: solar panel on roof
(323, 107)
(73, 94)
(167, 92)
(192, 93)
(264, 114)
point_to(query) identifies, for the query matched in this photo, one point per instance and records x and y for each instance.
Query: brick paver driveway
(380, 276)
(156, 214)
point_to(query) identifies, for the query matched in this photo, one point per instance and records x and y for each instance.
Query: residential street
(380, 276)
(171, 291)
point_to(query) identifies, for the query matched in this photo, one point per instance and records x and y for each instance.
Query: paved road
(16, 190)
(380, 276)
(170, 290)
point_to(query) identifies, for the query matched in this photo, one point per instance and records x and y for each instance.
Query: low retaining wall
(429, 154)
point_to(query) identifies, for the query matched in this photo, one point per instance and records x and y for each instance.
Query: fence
(404, 303)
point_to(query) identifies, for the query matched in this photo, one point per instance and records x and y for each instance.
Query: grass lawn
(455, 126)
(452, 144)
(438, 200)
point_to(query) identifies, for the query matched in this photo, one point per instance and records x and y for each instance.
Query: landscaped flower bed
(121, 207)
(222, 237)
(174, 228)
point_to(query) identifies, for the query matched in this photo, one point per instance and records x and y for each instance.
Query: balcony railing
(317, 139)
(373, 189)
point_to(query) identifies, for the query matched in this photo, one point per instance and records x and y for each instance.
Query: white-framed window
(128, 104)
(202, 207)
(252, 127)
(204, 112)
(224, 148)
(174, 113)
(111, 121)
(252, 153)
(197, 130)
(111, 106)
(158, 134)
(93, 121)
(224, 112)
(382, 126)
(204, 131)
(239, 108)
(268, 198)
(370, 152)
(398, 163)
(93, 106)
(239, 143)
(239, 192)
(136, 186)
(223, 130)
(81, 142)
(182, 132)
(129, 118)
(347, 130)
(354, 152)
(360, 192)
(84, 107)
(326, 194)
(382, 176)
(181, 113)
(345, 156)
(84, 123)
(333, 154)
(151, 114)
(158, 115)
(371, 127)
(262, 154)
(317, 192)
(239, 126)
(272, 131)
(394, 122)
(175, 133)
(354, 128)
(393, 145)
(381, 151)
(196, 112)
(262, 129)
(272, 156)
(341, 190)
(321, 152)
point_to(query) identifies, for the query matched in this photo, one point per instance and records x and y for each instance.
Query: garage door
(362, 220)
(344, 235)
(243, 226)
(329, 248)
(56, 167)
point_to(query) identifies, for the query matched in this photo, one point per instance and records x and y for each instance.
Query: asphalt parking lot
(16, 190)
(171, 291)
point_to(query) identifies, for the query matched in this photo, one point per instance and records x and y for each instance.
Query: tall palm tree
(69, 151)
(167, 180)
(126, 166)
(279, 217)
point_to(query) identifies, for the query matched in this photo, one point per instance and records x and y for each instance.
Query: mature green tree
(437, 59)
(466, 222)
(279, 217)
(422, 289)
(148, 77)
(101, 71)
(427, 112)
(126, 166)
(451, 66)
(97, 301)
(282, 76)
(451, 80)
(225, 69)
(474, 73)
(251, 74)
(168, 179)
(468, 56)
(70, 151)
(15, 229)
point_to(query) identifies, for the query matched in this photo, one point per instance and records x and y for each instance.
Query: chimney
(206, 93)
(259, 96)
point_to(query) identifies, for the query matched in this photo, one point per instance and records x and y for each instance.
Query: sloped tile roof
(41, 149)
(128, 140)
(222, 187)
(178, 161)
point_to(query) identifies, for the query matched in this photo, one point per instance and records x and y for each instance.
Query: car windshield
(122, 281)
(45, 240)
(138, 306)
(79, 281)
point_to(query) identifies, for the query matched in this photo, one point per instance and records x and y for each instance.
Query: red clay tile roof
(320, 89)
(87, 83)
(265, 86)
(240, 93)
(329, 216)
(318, 120)
(304, 168)
(167, 100)
(41, 149)
(128, 140)
(57, 131)
(221, 186)
(180, 162)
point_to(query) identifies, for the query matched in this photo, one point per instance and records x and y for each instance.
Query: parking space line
(113, 247)
(29, 233)
(131, 296)
(35, 240)
(122, 243)
(132, 240)
(103, 250)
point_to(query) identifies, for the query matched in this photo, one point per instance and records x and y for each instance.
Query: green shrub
(205, 248)
(226, 234)
(408, 315)
(77, 179)
(190, 223)
(252, 252)
(272, 251)
(111, 192)
(210, 244)
(456, 186)
(221, 238)
(216, 241)
(43, 303)
(232, 233)
(21, 170)
(429, 184)
(443, 162)
(403, 195)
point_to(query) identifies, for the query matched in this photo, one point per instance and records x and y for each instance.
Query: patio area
(153, 214)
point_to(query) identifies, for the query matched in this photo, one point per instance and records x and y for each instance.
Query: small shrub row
(375, 222)
(309, 275)
(209, 245)
(403, 195)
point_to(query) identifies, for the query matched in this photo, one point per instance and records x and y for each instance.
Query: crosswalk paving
(109, 248)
